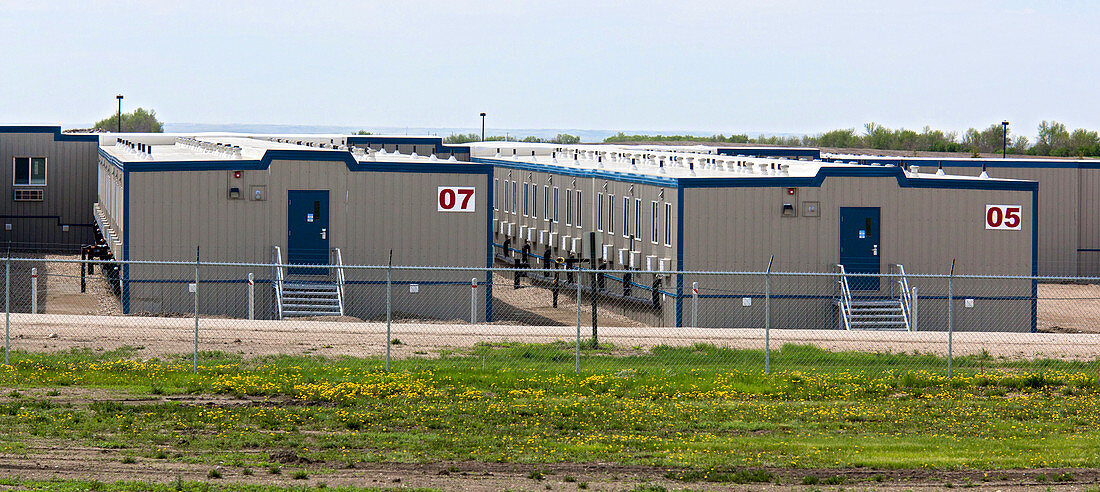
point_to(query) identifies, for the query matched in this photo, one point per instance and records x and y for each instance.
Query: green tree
(137, 121)
(565, 138)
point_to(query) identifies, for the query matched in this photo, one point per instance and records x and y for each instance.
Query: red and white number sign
(455, 199)
(1004, 217)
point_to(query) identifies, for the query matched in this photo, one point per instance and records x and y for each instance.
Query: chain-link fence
(530, 318)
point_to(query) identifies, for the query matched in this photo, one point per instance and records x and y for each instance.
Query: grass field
(690, 415)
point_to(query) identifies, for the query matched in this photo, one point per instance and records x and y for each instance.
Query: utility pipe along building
(679, 211)
(301, 200)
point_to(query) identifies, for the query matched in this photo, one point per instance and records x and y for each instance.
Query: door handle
(874, 250)
(324, 233)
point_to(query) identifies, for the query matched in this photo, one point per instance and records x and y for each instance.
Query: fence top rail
(509, 270)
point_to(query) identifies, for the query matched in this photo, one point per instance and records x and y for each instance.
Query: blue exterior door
(859, 245)
(307, 230)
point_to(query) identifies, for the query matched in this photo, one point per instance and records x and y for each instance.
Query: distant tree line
(139, 120)
(460, 138)
(1054, 139)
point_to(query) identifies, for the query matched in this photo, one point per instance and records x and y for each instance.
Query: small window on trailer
(568, 207)
(546, 202)
(580, 216)
(668, 224)
(611, 214)
(599, 212)
(653, 230)
(526, 195)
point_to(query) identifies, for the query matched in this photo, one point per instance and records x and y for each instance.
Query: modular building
(1069, 238)
(51, 187)
(291, 201)
(672, 212)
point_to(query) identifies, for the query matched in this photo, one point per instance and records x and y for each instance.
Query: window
(496, 197)
(568, 207)
(526, 195)
(611, 214)
(555, 204)
(534, 201)
(626, 216)
(580, 216)
(29, 171)
(514, 197)
(506, 195)
(546, 202)
(668, 224)
(599, 212)
(638, 217)
(653, 231)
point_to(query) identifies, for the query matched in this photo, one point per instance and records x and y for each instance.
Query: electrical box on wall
(258, 193)
(788, 210)
(234, 193)
(811, 209)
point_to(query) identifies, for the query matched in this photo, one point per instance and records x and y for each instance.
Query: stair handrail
(337, 261)
(845, 301)
(277, 264)
(905, 296)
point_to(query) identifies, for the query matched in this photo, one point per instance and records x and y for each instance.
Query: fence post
(7, 310)
(389, 317)
(83, 267)
(768, 317)
(251, 296)
(695, 304)
(950, 317)
(34, 291)
(913, 310)
(473, 301)
(577, 356)
(196, 354)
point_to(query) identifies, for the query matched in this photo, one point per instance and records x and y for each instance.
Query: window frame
(626, 216)
(507, 196)
(580, 216)
(637, 218)
(654, 230)
(534, 200)
(515, 188)
(30, 178)
(611, 214)
(496, 197)
(599, 212)
(556, 216)
(568, 207)
(526, 195)
(546, 202)
(668, 224)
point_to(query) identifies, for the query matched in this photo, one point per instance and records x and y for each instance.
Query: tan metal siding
(69, 192)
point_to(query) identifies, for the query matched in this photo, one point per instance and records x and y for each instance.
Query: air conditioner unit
(651, 263)
(530, 234)
(634, 259)
(576, 247)
(496, 226)
(522, 231)
(503, 227)
(665, 264)
(553, 241)
(624, 257)
(510, 229)
(608, 252)
(566, 242)
(544, 235)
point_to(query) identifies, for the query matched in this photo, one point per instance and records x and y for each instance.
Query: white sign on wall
(1004, 217)
(455, 199)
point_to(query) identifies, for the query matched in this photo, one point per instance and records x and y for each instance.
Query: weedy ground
(697, 414)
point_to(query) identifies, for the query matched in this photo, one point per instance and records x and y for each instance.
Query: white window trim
(668, 224)
(496, 198)
(626, 216)
(556, 216)
(546, 202)
(526, 191)
(655, 230)
(611, 214)
(580, 215)
(45, 163)
(637, 218)
(568, 207)
(599, 212)
(534, 200)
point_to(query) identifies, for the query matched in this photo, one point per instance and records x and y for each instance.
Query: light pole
(119, 97)
(1004, 149)
(482, 127)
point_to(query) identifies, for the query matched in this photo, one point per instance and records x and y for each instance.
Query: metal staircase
(309, 295)
(890, 314)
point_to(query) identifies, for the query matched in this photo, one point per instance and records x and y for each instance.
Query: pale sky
(732, 66)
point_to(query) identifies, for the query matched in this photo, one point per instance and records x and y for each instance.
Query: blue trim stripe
(441, 167)
(55, 130)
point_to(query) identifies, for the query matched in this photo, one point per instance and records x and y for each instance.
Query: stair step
(310, 313)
